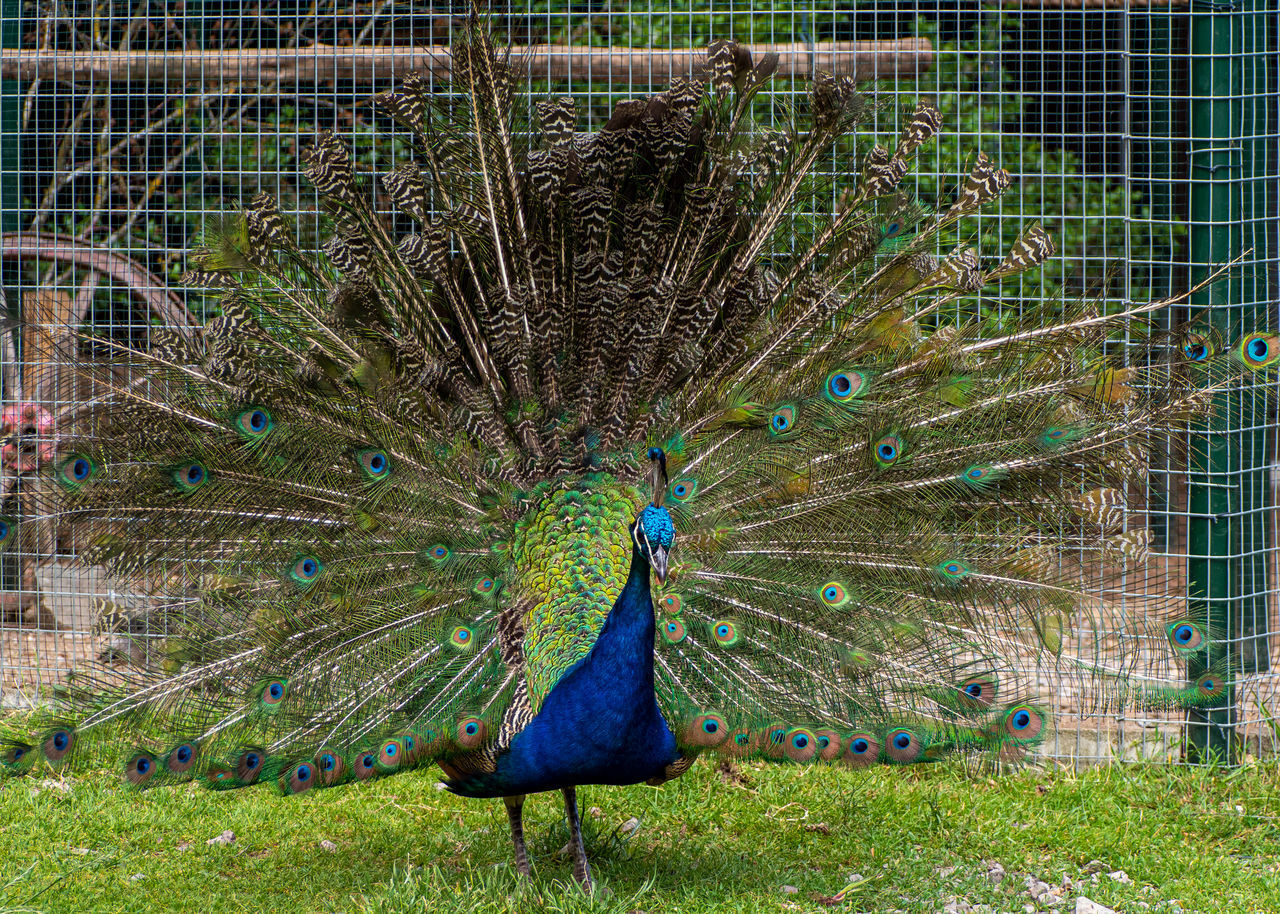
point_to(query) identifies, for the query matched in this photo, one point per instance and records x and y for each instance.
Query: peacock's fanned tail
(397, 477)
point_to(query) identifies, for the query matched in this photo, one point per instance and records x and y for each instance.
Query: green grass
(712, 841)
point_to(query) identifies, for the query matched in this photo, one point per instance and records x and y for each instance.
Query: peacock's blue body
(606, 700)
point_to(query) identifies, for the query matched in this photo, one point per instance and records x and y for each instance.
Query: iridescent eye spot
(783, 420)
(253, 423)
(389, 756)
(190, 477)
(303, 773)
(75, 470)
(706, 731)
(471, 732)
(1258, 350)
(1196, 352)
(953, 570)
(862, 750)
(485, 586)
(683, 489)
(1056, 434)
(671, 603)
(655, 453)
(57, 744)
(725, 633)
(1024, 723)
(903, 746)
(140, 768)
(306, 569)
(183, 754)
(273, 692)
(366, 765)
(673, 631)
(462, 637)
(1210, 686)
(328, 762)
(376, 464)
(845, 386)
(833, 593)
(887, 450)
(1186, 637)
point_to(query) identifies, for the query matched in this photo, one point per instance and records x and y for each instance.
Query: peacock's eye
(375, 464)
(888, 449)
(683, 489)
(190, 477)
(1197, 352)
(846, 386)
(253, 422)
(306, 568)
(783, 420)
(833, 593)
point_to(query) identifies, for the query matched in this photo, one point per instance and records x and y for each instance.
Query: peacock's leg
(515, 813)
(581, 870)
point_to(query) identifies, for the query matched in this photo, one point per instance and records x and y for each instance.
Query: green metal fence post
(1227, 562)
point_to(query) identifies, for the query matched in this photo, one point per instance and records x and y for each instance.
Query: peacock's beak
(658, 559)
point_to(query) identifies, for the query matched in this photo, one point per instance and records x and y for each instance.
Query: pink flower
(29, 434)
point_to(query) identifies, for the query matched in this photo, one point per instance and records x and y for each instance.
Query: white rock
(1037, 888)
(995, 872)
(1121, 876)
(227, 837)
(789, 890)
(1088, 906)
(957, 906)
(327, 845)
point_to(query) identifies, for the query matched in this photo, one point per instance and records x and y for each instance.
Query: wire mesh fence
(1142, 134)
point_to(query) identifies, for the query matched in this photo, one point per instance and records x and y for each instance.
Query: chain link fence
(1142, 134)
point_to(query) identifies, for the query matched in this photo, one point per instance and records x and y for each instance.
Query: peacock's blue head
(654, 534)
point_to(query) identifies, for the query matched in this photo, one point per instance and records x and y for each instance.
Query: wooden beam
(863, 60)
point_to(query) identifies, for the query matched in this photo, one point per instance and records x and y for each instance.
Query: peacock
(575, 456)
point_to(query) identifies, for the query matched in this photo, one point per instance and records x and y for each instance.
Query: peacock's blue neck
(600, 724)
(625, 645)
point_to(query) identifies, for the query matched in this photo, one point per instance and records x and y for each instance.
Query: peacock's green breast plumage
(571, 553)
